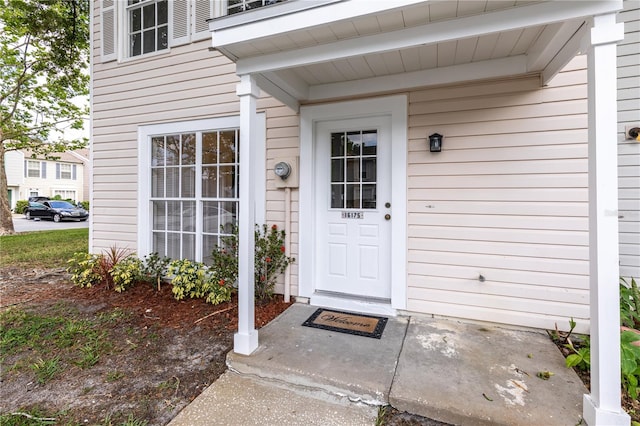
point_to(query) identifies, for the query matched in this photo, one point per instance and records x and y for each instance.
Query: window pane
(228, 215)
(136, 20)
(149, 16)
(189, 216)
(159, 243)
(227, 182)
(369, 196)
(173, 150)
(173, 215)
(136, 44)
(173, 182)
(228, 147)
(149, 41)
(188, 182)
(354, 140)
(157, 151)
(353, 197)
(189, 246)
(188, 149)
(162, 12)
(353, 170)
(163, 37)
(337, 196)
(209, 148)
(159, 212)
(157, 183)
(369, 170)
(209, 182)
(173, 245)
(337, 144)
(337, 170)
(210, 217)
(209, 242)
(369, 142)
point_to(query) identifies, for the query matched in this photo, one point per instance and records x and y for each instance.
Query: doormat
(346, 322)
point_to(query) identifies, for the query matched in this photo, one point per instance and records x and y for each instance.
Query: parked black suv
(38, 199)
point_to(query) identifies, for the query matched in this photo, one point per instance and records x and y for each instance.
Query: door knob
(387, 216)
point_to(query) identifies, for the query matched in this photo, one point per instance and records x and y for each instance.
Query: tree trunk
(6, 221)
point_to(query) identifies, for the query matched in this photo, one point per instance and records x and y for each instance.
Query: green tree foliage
(44, 48)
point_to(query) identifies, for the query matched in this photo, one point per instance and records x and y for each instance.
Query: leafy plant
(21, 205)
(154, 268)
(108, 260)
(270, 259)
(581, 358)
(629, 303)
(192, 279)
(630, 362)
(84, 269)
(126, 273)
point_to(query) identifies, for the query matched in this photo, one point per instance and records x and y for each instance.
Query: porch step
(358, 368)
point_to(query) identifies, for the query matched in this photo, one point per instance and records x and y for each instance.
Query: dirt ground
(159, 359)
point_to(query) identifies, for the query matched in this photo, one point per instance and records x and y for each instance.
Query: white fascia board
(471, 26)
(495, 68)
(320, 13)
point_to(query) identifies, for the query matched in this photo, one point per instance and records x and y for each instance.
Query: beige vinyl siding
(506, 199)
(629, 150)
(189, 82)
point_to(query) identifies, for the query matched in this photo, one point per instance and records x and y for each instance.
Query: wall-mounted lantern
(435, 142)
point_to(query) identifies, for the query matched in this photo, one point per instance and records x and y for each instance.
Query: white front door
(353, 207)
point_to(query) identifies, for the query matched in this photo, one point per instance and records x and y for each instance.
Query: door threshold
(347, 302)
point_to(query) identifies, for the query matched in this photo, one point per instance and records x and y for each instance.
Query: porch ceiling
(303, 51)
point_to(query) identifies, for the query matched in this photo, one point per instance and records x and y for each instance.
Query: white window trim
(145, 243)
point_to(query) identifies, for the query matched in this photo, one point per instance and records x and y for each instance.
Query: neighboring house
(514, 221)
(66, 176)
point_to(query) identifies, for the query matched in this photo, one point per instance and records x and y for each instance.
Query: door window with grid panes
(194, 192)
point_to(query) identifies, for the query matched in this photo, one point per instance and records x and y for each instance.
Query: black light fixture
(435, 142)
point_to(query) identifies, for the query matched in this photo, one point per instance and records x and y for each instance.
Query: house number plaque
(353, 215)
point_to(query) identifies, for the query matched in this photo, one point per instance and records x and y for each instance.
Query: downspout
(287, 243)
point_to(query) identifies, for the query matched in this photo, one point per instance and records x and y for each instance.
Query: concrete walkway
(450, 371)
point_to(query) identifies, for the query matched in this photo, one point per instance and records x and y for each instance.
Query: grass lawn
(44, 249)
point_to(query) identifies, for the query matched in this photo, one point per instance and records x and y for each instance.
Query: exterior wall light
(435, 142)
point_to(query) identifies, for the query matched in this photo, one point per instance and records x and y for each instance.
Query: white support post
(602, 406)
(245, 341)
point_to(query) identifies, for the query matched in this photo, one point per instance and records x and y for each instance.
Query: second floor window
(33, 169)
(148, 26)
(64, 171)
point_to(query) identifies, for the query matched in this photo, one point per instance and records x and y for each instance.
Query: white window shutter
(202, 11)
(44, 170)
(57, 170)
(180, 22)
(108, 30)
(73, 172)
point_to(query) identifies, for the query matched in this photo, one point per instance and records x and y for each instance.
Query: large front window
(194, 192)
(148, 26)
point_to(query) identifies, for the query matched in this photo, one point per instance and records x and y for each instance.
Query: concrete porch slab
(359, 368)
(465, 373)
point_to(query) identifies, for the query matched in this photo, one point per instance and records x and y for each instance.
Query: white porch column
(245, 341)
(602, 406)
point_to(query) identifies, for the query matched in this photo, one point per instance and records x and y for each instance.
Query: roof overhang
(303, 51)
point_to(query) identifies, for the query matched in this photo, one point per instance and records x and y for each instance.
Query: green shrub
(629, 303)
(126, 273)
(84, 205)
(154, 268)
(84, 269)
(21, 205)
(270, 259)
(193, 280)
(630, 362)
